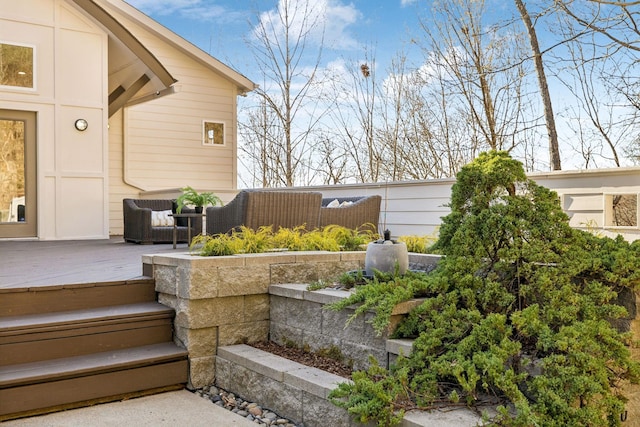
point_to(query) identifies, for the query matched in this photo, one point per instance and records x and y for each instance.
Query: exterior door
(18, 174)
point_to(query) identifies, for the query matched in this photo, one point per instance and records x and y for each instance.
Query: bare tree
(392, 130)
(601, 72)
(439, 139)
(617, 21)
(354, 93)
(287, 47)
(263, 151)
(554, 149)
(334, 160)
(481, 77)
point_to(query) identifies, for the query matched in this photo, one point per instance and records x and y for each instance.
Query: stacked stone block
(301, 318)
(223, 301)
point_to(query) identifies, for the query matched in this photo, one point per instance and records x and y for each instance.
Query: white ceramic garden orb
(383, 256)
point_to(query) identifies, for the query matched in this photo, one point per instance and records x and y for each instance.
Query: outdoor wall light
(81, 125)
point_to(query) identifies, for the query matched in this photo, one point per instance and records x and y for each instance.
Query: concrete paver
(175, 408)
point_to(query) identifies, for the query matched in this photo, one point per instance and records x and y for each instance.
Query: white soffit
(132, 66)
(243, 84)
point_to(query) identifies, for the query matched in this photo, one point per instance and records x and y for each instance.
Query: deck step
(32, 338)
(45, 384)
(50, 299)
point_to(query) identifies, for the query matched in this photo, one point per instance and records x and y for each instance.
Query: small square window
(621, 210)
(213, 133)
(16, 65)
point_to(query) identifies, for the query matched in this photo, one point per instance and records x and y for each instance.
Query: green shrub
(418, 244)
(381, 294)
(520, 307)
(245, 240)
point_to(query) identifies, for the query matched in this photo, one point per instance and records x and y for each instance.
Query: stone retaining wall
(300, 318)
(295, 391)
(300, 393)
(224, 300)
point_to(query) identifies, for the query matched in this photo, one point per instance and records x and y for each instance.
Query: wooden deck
(25, 263)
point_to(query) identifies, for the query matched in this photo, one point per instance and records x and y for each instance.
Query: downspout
(125, 134)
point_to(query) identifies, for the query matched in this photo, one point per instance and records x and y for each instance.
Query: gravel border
(250, 410)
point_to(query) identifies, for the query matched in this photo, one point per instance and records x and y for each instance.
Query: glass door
(17, 174)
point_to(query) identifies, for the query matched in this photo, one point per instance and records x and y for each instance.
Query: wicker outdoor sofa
(360, 213)
(256, 208)
(139, 227)
(289, 209)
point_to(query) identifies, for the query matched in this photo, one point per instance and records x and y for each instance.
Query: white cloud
(338, 18)
(324, 22)
(404, 3)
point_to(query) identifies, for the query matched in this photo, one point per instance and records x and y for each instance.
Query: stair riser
(39, 300)
(69, 343)
(113, 384)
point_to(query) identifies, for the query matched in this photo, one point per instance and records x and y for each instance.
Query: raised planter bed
(299, 392)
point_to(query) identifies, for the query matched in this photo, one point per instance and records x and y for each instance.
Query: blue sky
(356, 31)
(219, 27)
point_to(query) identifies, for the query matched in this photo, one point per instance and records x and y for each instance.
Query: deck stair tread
(73, 345)
(64, 298)
(77, 366)
(35, 323)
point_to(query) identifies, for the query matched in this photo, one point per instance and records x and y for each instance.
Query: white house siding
(158, 144)
(70, 76)
(118, 190)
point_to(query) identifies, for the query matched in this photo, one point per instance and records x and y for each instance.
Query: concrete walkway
(176, 408)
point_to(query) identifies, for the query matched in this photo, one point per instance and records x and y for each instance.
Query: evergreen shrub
(519, 313)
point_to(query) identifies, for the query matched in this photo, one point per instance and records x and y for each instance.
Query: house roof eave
(128, 39)
(243, 84)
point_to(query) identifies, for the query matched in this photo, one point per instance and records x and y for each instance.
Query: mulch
(306, 358)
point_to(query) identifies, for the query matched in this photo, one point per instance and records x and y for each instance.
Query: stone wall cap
(288, 290)
(397, 345)
(307, 256)
(313, 380)
(260, 361)
(326, 296)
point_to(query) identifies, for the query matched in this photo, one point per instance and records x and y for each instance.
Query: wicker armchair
(256, 208)
(137, 222)
(362, 214)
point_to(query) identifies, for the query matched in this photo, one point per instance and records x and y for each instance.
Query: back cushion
(283, 209)
(161, 219)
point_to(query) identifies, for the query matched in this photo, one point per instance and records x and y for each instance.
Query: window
(12, 171)
(16, 65)
(213, 133)
(621, 210)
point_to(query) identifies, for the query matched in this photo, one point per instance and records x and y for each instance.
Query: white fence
(603, 200)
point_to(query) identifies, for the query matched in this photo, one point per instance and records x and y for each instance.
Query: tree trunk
(554, 150)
